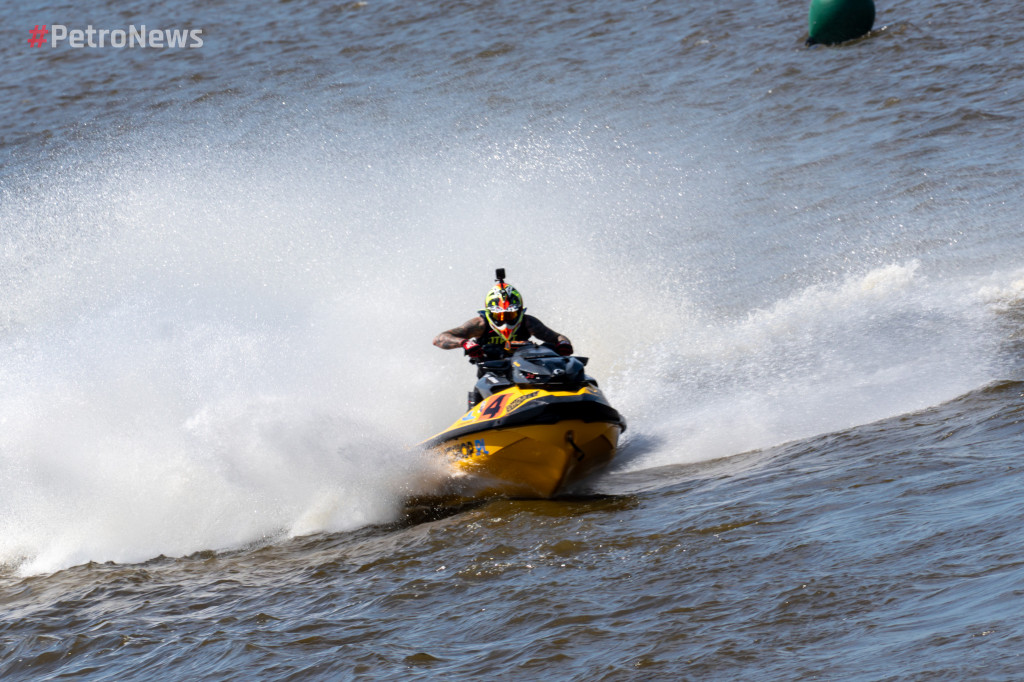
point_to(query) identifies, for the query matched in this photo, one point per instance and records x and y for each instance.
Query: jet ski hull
(538, 461)
(527, 442)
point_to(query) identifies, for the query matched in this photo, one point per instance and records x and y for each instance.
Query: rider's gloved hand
(472, 348)
(563, 348)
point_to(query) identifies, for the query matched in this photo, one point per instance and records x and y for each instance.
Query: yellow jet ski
(537, 424)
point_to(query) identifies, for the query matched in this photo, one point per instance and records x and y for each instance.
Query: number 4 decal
(493, 408)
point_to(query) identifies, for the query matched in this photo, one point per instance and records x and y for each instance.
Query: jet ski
(536, 426)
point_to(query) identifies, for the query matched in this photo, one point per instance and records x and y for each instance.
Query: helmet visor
(504, 317)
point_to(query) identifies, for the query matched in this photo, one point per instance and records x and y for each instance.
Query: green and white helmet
(504, 310)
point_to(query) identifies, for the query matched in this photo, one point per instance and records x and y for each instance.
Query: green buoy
(833, 21)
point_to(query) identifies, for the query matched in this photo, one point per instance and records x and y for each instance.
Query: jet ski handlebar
(496, 352)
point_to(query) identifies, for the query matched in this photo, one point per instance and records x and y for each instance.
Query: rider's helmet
(504, 310)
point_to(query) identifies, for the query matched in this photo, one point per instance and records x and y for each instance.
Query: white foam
(826, 358)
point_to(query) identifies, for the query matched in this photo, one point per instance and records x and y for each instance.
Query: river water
(797, 273)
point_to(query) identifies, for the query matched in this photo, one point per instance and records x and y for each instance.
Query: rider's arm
(453, 338)
(542, 332)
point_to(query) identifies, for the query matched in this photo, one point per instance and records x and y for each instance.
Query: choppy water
(796, 271)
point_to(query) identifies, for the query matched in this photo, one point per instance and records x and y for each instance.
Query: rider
(503, 321)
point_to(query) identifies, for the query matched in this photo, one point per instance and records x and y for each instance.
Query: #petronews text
(132, 37)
